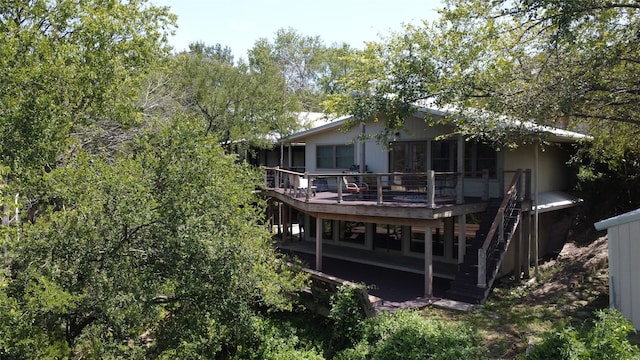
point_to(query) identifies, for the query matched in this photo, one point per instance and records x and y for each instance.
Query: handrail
(422, 182)
(498, 224)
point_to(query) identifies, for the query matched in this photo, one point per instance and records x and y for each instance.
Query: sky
(238, 24)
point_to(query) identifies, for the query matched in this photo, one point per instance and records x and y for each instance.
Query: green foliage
(566, 63)
(310, 69)
(606, 339)
(347, 315)
(161, 250)
(242, 107)
(68, 65)
(278, 339)
(408, 335)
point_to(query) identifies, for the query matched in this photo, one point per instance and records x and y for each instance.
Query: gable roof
(326, 123)
(618, 220)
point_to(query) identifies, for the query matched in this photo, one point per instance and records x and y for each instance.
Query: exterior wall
(553, 229)
(554, 174)
(376, 155)
(624, 283)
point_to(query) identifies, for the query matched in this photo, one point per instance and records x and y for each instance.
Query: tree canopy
(128, 231)
(571, 63)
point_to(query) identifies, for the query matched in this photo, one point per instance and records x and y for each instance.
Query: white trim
(618, 220)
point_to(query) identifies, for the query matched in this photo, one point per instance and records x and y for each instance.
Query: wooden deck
(397, 207)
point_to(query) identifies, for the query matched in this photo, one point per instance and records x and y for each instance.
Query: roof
(555, 200)
(326, 123)
(625, 218)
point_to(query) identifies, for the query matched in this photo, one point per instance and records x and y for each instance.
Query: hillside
(569, 289)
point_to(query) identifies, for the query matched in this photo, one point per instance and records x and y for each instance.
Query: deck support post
(428, 261)
(318, 243)
(285, 223)
(462, 237)
(526, 224)
(460, 171)
(449, 230)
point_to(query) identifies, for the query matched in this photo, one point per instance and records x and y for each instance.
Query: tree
(309, 67)
(240, 106)
(568, 63)
(69, 65)
(153, 254)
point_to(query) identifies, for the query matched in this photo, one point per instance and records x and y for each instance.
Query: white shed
(623, 232)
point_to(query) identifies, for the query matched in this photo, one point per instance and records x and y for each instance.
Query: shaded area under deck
(389, 276)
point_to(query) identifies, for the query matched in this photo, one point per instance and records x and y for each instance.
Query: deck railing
(503, 225)
(427, 187)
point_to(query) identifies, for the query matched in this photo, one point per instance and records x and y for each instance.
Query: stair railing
(496, 234)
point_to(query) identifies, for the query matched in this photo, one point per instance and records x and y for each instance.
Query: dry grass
(568, 291)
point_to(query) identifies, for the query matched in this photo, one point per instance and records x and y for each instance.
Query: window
(478, 157)
(408, 156)
(444, 155)
(334, 156)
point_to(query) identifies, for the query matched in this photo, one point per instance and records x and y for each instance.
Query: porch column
(428, 261)
(449, 229)
(406, 240)
(536, 224)
(526, 223)
(429, 152)
(285, 222)
(290, 157)
(363, 132)
(318, 243)
(369, 233)
(460, 171)
(462, 237)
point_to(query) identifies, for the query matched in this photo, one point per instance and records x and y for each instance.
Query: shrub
(606, 339)
(408, 335)
(347, 317)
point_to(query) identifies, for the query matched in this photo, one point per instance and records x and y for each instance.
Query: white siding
(624, 282)
(554, 172)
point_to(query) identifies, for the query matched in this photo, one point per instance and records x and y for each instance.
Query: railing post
(485, 182)
(431, 187)
(379, 188)
(501, 229)
(460, 188)
(276, 177)
(339, 182)
(308, 195)
(482, 268)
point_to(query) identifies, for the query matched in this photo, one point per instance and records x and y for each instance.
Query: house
(623, 232)
(426, 202)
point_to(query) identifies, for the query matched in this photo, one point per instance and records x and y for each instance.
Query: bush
(606, 339)
(408, 335)
(347, 317)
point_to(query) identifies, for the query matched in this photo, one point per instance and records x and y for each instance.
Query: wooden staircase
(484, 255)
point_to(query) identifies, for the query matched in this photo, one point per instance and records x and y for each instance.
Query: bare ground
(568, 289)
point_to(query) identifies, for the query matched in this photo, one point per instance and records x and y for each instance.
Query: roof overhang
(618, 220)
(555, 200)
(326, 123)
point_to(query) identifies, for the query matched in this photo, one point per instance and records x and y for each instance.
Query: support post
(449, 229)
(431, 187)
(428, 261)
(340, 181)
(485, 182)
(460, 171)
(536, 224)
(379, 188)
(526, 224)
(462, 237)
(482, 268)
(318, 243)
